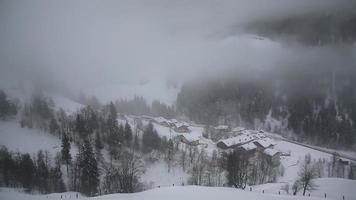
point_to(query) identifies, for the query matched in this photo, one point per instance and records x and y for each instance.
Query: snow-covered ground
(195, 134)
(68, 105)
(164, 193)
(334, 188)
(17, 194)
(27, 140)
(25, 95)
(157, 175)
(297, 154)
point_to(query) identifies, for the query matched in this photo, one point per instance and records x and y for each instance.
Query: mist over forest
(99, 97)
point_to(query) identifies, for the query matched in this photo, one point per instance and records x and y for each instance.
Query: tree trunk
(305, 188)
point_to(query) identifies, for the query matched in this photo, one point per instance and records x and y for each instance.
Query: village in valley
(280, 153)
(178, 100)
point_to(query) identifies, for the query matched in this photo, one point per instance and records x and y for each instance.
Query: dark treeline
(31, 173)
(7, 107)
(318, 104)
(139, 106)
(135, 106)
(311, 29)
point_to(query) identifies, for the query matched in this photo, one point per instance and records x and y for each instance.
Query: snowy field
(334, 188)
(164, 193)
(27, 140)
(292, 163)
(157, 175)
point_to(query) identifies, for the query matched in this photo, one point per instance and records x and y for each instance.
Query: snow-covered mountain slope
(151, 90)
(167, 193)
(68, 105)
(24, 95)
(27, 140)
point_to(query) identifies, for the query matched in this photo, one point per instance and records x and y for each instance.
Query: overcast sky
(83, 44)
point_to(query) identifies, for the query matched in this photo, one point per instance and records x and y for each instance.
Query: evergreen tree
(80, 126)
(56, 180)
(26, 171)
(128, 133)
(150, 139)
(7, 167)
(98, 146)
(89, 172)
(6, 107)
(98, 143)
(136, 143)
(66, 156)
(42, 173)
(53, 126)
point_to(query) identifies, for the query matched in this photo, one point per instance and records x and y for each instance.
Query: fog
(75, 45)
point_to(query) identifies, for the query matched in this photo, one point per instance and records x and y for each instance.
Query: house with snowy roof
(238, 129)
(222, 128)
(235, 141)
(183, 139)
(162, 121)
(181, 127)
(264, 143)
(248, 149)
(273, 155)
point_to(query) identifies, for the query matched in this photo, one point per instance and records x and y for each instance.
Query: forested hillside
(317, 104)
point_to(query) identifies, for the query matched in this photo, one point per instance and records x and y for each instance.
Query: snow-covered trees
(237, 169)
(20, 170)
(38, 113)
(88, 170)
(199, 168)
(124, 177)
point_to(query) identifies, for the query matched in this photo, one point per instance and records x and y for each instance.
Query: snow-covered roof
(270, 152)
(241, 139)
(181, 124)
(174, 121)
(161, 119)
(249, 146)
(222, 127)
(266, 142)
(238, 129)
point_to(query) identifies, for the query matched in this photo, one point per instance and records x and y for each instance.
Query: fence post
(325, 195)
(263, 191)
(279, 192)
(250, 189)
(343, 197)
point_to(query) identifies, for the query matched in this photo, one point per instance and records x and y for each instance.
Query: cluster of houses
(177, 126)
(248, 142)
